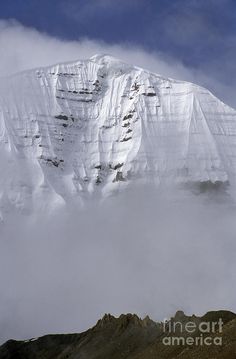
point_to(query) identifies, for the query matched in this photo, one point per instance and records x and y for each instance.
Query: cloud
(146, 251)
(196, 33)
(25, 48)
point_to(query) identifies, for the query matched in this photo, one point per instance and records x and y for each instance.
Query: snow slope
(87, 128)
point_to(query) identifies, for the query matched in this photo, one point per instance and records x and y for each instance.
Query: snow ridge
(88, 128)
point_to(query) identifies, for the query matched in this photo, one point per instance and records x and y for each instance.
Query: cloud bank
(24, 48)
(145, 251)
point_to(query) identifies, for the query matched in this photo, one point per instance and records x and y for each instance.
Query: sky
(195, 35)
(62, 274)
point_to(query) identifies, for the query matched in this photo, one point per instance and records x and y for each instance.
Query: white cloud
(146, 251)
(24, 48)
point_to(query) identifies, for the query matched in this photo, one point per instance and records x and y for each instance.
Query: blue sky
(201, 34)
(193, 30)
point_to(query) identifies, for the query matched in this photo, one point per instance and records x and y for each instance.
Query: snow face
(87, 128)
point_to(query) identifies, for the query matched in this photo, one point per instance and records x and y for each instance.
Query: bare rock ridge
(87, 128)
(128, 337)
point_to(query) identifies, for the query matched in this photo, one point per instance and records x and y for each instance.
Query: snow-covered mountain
(87, 128)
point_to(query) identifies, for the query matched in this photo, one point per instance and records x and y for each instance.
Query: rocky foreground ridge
(133, 338)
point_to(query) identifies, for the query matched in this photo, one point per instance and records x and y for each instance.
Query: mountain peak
(104, 58)
(124, 321)
(89, 128)
(127, 337)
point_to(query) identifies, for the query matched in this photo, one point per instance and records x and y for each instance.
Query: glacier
(86, 129)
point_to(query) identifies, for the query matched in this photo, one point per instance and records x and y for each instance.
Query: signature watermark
(192, 333)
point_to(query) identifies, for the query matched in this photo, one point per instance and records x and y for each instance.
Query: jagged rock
(129, 337)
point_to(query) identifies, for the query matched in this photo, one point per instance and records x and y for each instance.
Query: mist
(25, 48)
(145, 251)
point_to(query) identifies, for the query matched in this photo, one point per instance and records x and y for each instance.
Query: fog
(25, 48)
(146, 251)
